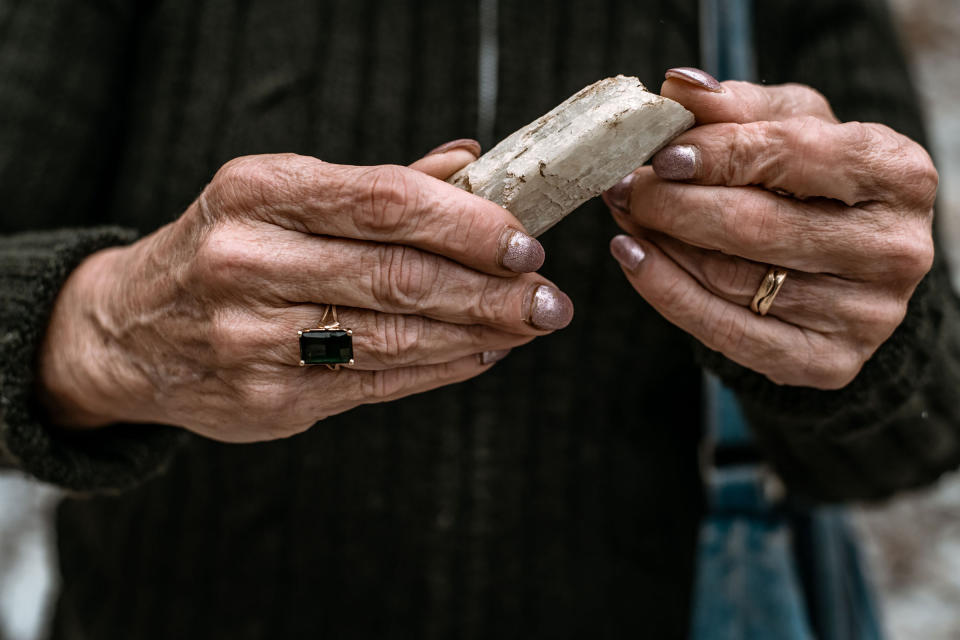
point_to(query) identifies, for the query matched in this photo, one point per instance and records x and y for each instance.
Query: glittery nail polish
(467, 144)
(627, 252)
(519, 252)
(550, 309)
(677, 162)
(696, 77)
(489, 357)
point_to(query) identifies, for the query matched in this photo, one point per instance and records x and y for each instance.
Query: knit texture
(556, 496)
(32, 269)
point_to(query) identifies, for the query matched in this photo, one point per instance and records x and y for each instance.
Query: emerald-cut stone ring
(330, 344)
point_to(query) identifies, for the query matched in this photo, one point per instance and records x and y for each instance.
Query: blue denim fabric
(766, 569)
(747, 585)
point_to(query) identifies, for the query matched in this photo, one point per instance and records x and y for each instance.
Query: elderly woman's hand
(196, 325)
(771, 177)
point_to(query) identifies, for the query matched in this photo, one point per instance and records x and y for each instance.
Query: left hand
(771, 177)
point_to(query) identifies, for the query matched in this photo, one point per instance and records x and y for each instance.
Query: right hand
(196, 325)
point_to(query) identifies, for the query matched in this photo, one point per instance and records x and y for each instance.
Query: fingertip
(445, 160)
(520, 252)
(697, 78)
(442, 165)
(627, 251)
(548, 308)
(467, 144)
(677, 162)
(492, 357)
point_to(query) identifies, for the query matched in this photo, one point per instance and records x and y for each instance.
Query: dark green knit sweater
(556, 496)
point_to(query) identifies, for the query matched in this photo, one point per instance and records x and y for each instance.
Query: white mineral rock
(578, 150)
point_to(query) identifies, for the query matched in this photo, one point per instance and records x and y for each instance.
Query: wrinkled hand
(771, 177)
(196, 325)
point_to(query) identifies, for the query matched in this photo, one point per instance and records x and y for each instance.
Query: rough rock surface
(578, 150)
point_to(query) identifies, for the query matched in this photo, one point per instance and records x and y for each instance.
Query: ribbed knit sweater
(556, 496)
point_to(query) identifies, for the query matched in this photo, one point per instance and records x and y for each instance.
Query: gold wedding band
(768, 290)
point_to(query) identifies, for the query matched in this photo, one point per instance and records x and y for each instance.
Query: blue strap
(748, 586)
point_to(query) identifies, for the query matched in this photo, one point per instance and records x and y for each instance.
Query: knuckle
(742, 154)
(237, 169)
(224, 258)
(920, 178)
(800, 150)
(463, 233)
(250, 184)
(232, 339)
(730, 277)
(397, 335)
(892, 163)
(858, 147)
(755, 153)
(404, 277)
(848, 365)
(492, 298)
(674, 295)
(909, 254)
(815, 101)
(380, 385)
(829, 368)
(751, 218)
(391, 196)
(801, 135)
(778, 147)
(727, 330)
(876, 322)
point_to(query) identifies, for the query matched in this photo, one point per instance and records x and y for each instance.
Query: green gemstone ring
(328, 345)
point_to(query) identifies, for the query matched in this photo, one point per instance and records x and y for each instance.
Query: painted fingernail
(468, 144)
(677, 162)
(550, 309)
(618, 196)
(696, 77)
(627, 252)
(519, 252)
(489, 357)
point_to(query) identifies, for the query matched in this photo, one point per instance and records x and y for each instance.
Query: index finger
(805, 157)
(733, 101)
(388, 204)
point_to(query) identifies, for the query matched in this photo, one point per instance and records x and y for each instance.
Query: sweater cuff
(33, 268)
(882, 432)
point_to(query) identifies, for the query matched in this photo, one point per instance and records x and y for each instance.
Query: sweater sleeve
(65, 69)
(897, 425)
(33, 267)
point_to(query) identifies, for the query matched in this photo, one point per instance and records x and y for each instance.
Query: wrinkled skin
(196, 325)
(847, 208)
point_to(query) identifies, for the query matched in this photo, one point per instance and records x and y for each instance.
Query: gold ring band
(768, 290)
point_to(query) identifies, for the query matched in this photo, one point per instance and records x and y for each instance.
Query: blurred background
(912, 543)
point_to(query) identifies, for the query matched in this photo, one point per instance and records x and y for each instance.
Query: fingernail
(677, 162)
(519, 252)
(550, 309)
(467, 144)
(627, 252)
(696, 77)
(489, 357)
(618, 196)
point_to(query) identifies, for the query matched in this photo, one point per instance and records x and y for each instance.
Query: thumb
(448, 158)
